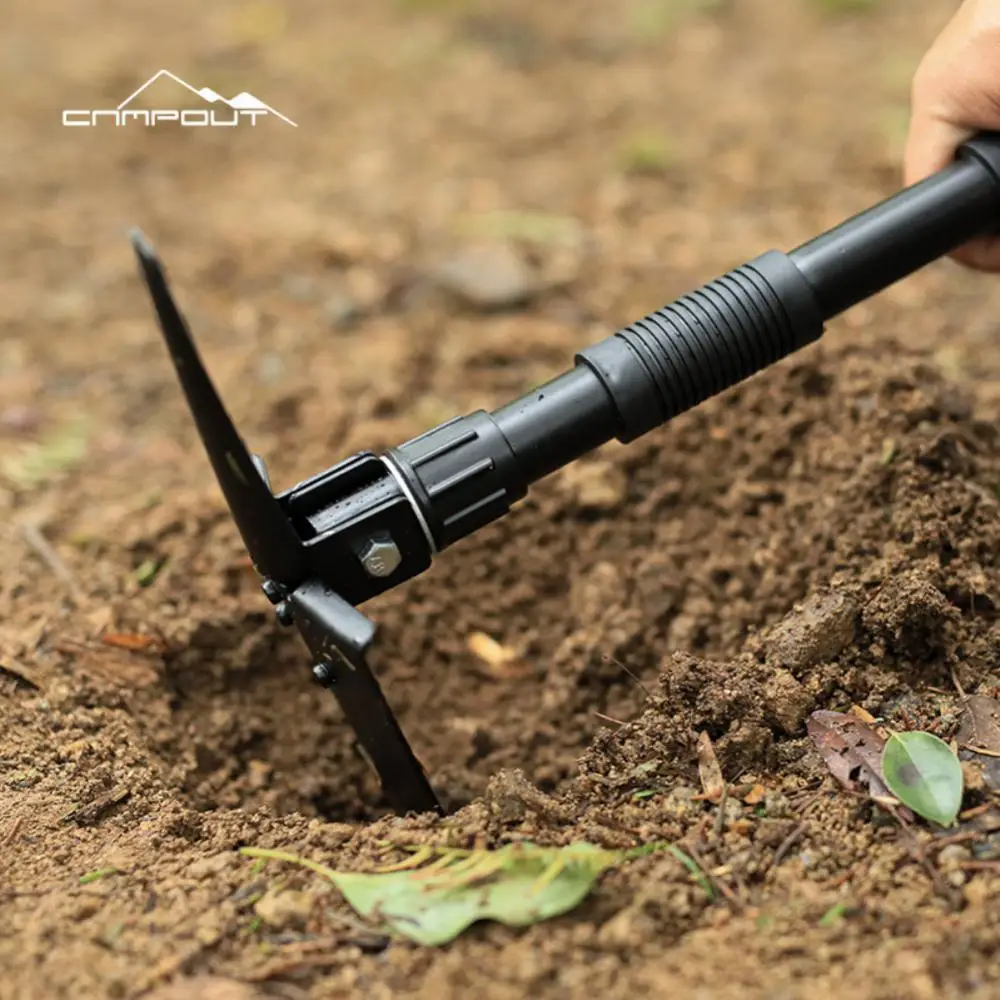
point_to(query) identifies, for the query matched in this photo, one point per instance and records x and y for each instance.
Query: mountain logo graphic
(244, 105)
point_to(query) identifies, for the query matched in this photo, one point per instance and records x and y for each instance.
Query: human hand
(955, 93)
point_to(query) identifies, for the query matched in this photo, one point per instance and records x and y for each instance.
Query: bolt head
(284, 613)
(380, 556)
(323, 673)
(272, 591)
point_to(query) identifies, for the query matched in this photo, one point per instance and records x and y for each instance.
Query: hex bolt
(323, 672)
(380, 555)
(284, 613)
(274, 592)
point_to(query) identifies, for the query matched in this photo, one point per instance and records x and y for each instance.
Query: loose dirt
(473, 192)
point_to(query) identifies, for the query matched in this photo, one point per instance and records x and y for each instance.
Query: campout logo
(223, 112)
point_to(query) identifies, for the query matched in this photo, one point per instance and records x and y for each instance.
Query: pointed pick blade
(339, 637)
(275, 548)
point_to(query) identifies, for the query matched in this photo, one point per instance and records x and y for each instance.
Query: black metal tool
(371, 522)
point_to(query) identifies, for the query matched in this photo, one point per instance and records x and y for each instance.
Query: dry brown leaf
(864, 715)
(709, 770)
(978, 736)
(19, 672)
(980, 726)
(755, 795)
(134, 641)
(852, 750)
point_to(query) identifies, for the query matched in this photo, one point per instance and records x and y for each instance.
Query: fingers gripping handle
(705, 342)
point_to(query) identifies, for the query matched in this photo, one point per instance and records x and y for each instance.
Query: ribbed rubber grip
(705, 342)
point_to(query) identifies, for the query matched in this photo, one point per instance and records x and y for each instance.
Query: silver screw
(380, 556)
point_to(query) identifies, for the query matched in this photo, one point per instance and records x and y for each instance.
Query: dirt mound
(824, 475)
(822, 537)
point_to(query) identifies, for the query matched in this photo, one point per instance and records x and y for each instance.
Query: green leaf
(923, 773)
(518, 885)
(38, 463)
(97, 875)
(146, 573)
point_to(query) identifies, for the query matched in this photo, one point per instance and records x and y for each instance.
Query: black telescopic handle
(873, 250)
(717, 336)
(469, 471)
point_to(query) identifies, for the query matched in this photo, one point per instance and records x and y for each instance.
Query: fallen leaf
(864, 715)
(96, 876)
(755, 795)
(980, 726)
(709, 771)
(923, 773)
(134, 641)
(517, 885)
(851, 749)
(979, 737)
(21, 674)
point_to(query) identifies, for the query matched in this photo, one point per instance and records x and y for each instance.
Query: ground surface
(628, 152)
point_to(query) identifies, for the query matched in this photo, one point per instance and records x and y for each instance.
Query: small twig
(621, 666)
(975, 811)
(12, 831)
(607, 718)
(32, 534)
(957, 682)
(720, 817)
(788, 843)
(717, 884)
(955, 838)
(92, 812)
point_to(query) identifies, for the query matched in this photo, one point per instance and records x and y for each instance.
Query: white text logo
(223, 114)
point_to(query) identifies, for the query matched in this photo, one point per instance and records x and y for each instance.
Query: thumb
(930, 145)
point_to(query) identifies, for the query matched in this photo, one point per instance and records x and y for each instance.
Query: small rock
(510, 797)
(772, 832)
(776, 805)
(341, 310)
(814, 632)
(597, 486)
(289, 908)
(488, 277)
(787, 701)
(732, 811)
(212, 865)
(977, 892)
(952, 856)
(682, 794)
(745, 745)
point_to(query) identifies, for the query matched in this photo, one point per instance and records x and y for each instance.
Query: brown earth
(826, 535)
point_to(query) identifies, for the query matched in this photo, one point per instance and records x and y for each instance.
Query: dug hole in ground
(826, 536)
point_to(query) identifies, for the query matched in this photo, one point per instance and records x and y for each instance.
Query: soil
(826, 535)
